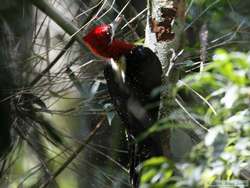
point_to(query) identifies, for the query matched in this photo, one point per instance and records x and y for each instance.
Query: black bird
(133, 75)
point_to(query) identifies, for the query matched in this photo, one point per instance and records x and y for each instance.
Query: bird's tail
(139, 152)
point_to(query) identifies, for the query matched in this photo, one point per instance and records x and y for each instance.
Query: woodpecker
(133, 75)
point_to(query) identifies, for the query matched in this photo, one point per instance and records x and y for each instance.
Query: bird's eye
(109, 31)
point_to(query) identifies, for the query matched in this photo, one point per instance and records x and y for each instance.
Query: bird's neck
(114, 50)
(119, 48)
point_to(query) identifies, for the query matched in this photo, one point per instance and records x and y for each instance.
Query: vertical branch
(163, 33)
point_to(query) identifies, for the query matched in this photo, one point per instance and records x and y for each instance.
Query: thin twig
(199, 95)
(201, 14)
(190, 115)
(66, 47)
(133, 19)
(75, 153)
(50, 11)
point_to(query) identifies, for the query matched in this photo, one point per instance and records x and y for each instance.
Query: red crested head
(100, 41)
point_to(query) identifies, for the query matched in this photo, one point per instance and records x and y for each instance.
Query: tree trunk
(161, 36)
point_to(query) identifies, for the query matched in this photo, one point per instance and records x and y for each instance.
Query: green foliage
(225, 150)
(157, 172)
(224, 85)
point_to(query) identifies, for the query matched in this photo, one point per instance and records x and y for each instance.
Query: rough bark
(163, 33)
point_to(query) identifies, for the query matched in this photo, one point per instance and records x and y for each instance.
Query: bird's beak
(114, 26)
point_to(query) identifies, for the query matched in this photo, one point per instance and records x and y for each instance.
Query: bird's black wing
(135, 101)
